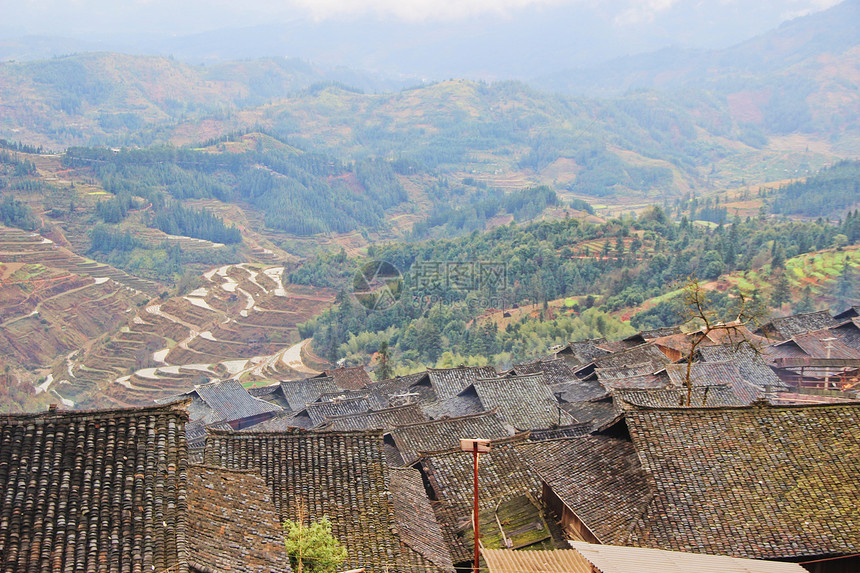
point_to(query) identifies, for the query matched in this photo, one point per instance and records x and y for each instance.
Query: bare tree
(703, 317)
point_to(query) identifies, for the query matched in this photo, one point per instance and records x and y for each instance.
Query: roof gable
(444, 434)
(319, 412)
(525, 402)
(377, 419)
(448, 382)
(785, 327)
(599, 478)
(230, 401)
(299, 393)
(712, 396)
(349, 378)
(555, 371)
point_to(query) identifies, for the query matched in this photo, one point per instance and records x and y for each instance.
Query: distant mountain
(99, 98)
(834, 33)
(802, 77)
(506, 43)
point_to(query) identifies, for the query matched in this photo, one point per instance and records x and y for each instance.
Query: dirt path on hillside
(292, 357)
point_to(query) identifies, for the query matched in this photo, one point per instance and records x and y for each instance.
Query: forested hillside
(613, 267)
(640, 146)
(826, 194)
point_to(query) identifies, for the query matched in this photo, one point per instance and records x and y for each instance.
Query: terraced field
(240, 324)
(54, 302)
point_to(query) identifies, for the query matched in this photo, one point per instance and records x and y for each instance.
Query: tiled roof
(785, 327)
(503, 475)
(445, 434)
(230, 401)
(319, 412)
(763, 482)
(635, 376)
(285, 422)
(618, 345)
(848, 332)
(525, 402)
(642, 354)
(579, 390)
(848, 313)
(342, 475)
(448, 382)
(524, 560)
(298, 393)
(349, 378)
(598, 478)
(416, 522)
(260, 391)
(377, 419)
(752, 365)
(582, 352)
(571, 431)
(374, 399)
(815, 345)
(787, 398)
(617, 559)
(555, 371)
(596, 412)
(658, 332)
(714, 396)
(652, 334)
(463, 404)
(407, 389)
(232, 523)
(719, 373)
(93, 491)
(704, 373)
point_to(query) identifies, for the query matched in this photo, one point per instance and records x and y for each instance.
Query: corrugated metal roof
(615, 559)
(556, 561)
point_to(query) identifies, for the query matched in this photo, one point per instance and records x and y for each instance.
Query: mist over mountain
(518, 40)
(798, 42)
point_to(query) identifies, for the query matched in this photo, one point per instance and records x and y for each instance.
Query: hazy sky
(72, 17)
(426, 39)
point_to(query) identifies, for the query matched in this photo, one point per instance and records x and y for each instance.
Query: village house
(761, 482)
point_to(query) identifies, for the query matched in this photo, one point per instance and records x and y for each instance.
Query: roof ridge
(759, 405)
(516, 438)
(403, 407)
(292, 433)
(508, 378)
(448, 419)
(178, 406)
(205, 466)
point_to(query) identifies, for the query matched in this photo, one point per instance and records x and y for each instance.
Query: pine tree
(805, 304)
(781, 291)
(384, 370)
